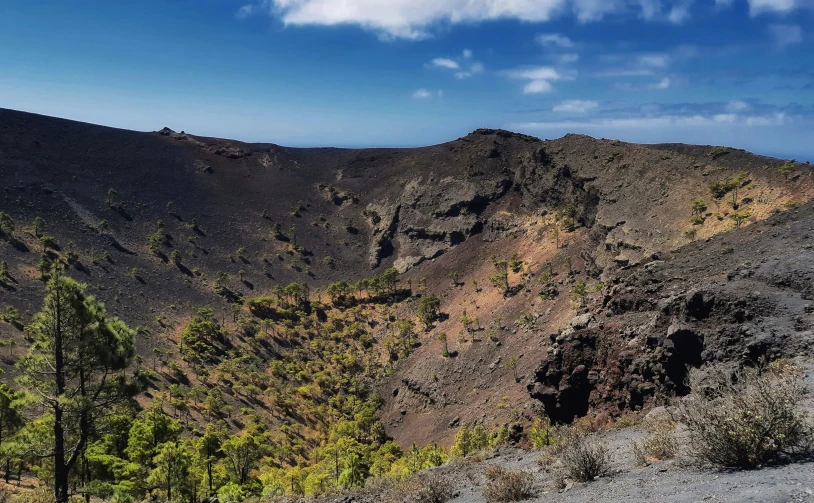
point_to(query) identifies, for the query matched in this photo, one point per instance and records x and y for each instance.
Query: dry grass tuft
(506, 486)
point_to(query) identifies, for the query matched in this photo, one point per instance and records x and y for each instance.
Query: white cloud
(639, 72)
(568, 58)
(737, 106)
(467, 54)
(474, 69)
(662, 84)
(680, 13)
(445, 63)
(650, 8)
(417, 19)
(424, 94)
(759, 6)
(538, 87)
(663, 121)
(786, 34)
(536, 73)
(554, 40)
(539, 78)
(777, 119)
(246, 11)
(575, 106)
(728, 118)
(654, 60)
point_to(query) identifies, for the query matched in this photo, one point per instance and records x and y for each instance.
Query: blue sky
(417, 72)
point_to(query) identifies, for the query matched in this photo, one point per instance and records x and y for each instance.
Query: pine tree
(74, 369)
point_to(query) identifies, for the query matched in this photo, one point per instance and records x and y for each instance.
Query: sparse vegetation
(747, 420)
(501, 277)
(787, 169)
(505, 486)
(717, 152)
(429, 308)
(6, 226)
(583, 459)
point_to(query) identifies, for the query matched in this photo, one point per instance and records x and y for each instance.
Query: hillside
(574, 275)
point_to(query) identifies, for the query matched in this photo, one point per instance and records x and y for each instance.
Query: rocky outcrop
(430, 217)
(630, 351)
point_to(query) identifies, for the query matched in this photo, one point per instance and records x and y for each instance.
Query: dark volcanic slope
(430, 211)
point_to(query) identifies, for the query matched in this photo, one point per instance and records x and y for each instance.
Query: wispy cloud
(654, 60)
(786, 34)
(737, 106)
(680, 12)
(465, 66)
(662, 84)
(576, 106)
(568, 58)
(422, 94)
(246, 11)
(538, 87)
(444, 63)
(539, 78)
(473, 69)
(661, 121)
(783, 6)
(554, 40)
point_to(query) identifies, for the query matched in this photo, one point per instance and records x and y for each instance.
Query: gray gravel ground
(674, 481)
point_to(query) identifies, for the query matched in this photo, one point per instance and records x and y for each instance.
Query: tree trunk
(60, 469)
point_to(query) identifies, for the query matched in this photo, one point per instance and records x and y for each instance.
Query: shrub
(48, 242)
(661, 445)
(541, 433)
(507, 486)
(749, 420)
(432, 490)
(717, 152)
(582, 459)
(6, 225)
(428, 311)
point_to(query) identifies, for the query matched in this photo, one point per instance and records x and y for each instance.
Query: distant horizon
(408, 73)
(778, 155)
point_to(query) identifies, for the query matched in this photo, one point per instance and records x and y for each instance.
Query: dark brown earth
(659, 299)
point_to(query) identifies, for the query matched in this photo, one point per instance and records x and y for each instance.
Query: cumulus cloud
(575, 106)
(786, 34)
